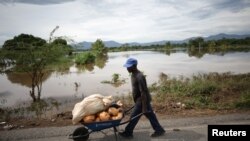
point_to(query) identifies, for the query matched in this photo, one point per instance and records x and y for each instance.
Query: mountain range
(87, 45)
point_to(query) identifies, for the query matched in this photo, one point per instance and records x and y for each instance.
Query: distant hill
(83, 45)
(226, 36)
(87, 45)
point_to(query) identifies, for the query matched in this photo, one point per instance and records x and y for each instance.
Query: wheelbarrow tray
(98, 126)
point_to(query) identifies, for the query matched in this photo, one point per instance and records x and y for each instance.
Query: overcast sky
(123, 20)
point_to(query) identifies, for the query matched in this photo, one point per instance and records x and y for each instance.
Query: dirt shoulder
(65, 119)
(188, 128)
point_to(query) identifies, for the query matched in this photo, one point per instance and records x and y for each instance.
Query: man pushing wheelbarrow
(142, 99)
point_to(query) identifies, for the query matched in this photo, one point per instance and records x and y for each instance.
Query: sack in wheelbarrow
(90, 105)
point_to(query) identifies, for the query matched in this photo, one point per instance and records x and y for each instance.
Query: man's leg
(154, 122)
(131, 125)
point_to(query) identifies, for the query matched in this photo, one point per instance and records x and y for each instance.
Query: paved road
(190, 129)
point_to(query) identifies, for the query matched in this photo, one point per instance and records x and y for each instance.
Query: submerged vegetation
(116, 80)
(84, 58)
(98, 49)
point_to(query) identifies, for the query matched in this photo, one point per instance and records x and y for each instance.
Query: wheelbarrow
(82, 133)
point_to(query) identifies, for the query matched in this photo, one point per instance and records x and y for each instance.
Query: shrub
(84, 58)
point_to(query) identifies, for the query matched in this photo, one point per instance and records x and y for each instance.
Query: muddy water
(77, 83)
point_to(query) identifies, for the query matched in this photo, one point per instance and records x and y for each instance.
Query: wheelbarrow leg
(115, 130)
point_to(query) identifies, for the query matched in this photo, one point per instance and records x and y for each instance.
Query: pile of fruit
(112, 113)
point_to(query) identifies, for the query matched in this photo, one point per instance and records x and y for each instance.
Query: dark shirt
(139, 87)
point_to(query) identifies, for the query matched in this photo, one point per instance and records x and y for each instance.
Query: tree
(52, 33)
(211, 45)
(23, 42)
(59, 41)
(62, 43)
(32, 55)
(2, 62)
(167, 45)
(98, 48)
(197, 42)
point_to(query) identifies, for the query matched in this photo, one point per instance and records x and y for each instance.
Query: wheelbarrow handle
(126, 111)
(132, 118)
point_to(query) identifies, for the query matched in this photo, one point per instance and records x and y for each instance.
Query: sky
(123, 20)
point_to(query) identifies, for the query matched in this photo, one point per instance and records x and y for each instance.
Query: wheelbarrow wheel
(81, 134)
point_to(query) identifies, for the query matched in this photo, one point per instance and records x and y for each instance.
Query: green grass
(213, 91)
(244, 101)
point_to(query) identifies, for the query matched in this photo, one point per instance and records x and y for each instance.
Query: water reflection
(200, 52)
(24, 79)
(82, 68)
(40, 109)
(100, 62)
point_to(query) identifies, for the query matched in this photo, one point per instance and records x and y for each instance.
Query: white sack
(90, 105)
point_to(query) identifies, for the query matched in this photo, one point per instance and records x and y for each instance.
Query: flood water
(14, 88)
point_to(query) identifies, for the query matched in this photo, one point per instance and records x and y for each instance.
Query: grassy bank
(213, 91)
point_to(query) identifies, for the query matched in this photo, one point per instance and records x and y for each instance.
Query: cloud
(232, 5)
(212, 8)
(124, 20)
(35, 2)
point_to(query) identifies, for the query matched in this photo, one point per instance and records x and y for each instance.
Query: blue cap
(130, 62)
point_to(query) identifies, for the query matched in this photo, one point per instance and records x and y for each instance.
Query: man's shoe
(126, 135)
(157, 134)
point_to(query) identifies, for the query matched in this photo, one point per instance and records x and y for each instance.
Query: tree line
(191, 43)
